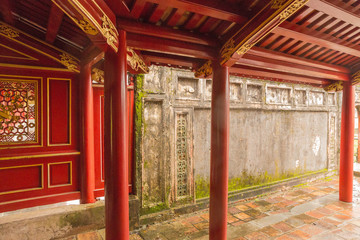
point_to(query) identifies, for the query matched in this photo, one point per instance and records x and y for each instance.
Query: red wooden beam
(311, 36)
(215, 9)
(164, 59)
(119, 8)
(179, 48)
(163, 32)
(54, 23)
(257, 28)
(288, 67)
(275, 75)
(6, 11)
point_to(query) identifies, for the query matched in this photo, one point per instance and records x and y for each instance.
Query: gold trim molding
(8, 31)
(276, 4)
(205, 70)
(135, 61)
(290, 10)
(68, 61)
(86, 26)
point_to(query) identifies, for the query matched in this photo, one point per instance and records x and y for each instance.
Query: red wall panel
(60, 174)
(58, 111)
(20, 178)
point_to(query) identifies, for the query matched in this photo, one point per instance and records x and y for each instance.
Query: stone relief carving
(253, 93)
(316, 98)
(332, 143)
(153, 80)
(300, 97)
(357, 96)
(275, 95)
(187, 88)
(181, 155)
(236, 91)
(331, 99)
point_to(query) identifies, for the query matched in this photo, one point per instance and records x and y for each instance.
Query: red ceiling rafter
(54, 23)
(6, 11)
(216, 9)
(162, 32)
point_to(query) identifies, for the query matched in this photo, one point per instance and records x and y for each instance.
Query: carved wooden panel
(18, 111)
(59, 174)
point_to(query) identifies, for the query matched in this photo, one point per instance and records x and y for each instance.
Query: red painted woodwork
(220, 10)
(59, 163)
(163, 32)
(116, 144)
(347, 143)
(219, 158)
(60, 174)
(87, 121)
(54, 22)
(98, 93)
(20, 178)
(6, 9)
(59, 100)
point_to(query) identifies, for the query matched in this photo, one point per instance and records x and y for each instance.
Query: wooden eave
(318, 44)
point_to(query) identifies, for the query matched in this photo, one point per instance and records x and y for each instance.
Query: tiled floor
(305, 212)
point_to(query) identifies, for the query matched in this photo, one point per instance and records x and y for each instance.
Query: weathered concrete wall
(276, 131)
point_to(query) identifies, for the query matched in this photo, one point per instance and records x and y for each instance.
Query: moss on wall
(246, 180)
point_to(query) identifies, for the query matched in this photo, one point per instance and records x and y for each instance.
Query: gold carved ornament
(97, 76)
(276, 4)
(334, 87)
(109, 31)
(68, 61)
(205, 70)
(244, 48)
(86, 26)
(8, 31)
(296, 5)
(228, 49)
(135, 61)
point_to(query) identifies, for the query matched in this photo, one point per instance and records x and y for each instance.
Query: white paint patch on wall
(316, 145)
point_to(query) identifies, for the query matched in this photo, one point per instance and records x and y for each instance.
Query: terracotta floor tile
(325, 211)
(205, 216)
(341, 217)
(270, 231)
(88, 236)
(242, 207)
(231, 219)
(315, 214)
(233, 210)
(257, 236)
(332, 221)
(202, 225)
(334, 208)
(311, 229)
(194, 219)
(242, 216)
(238, 223)
(282, 226)
(285, 237)
(300, 234)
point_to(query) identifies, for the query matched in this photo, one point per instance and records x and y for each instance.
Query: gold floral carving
(135, 61)
(276, 4)
(68, 61)
(356, 78)
(227, 50)
(205, 70)
(292, 9)
(244, 48)
(8, 31)
(86, 26)
(97, 76)
(109, 31)
(334, 87)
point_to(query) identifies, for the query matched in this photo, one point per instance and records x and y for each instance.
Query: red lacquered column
(219, 158)
(347, 143)
(87, 116)
(116, 144)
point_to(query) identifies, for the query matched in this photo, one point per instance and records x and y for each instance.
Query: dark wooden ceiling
(318, 44)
